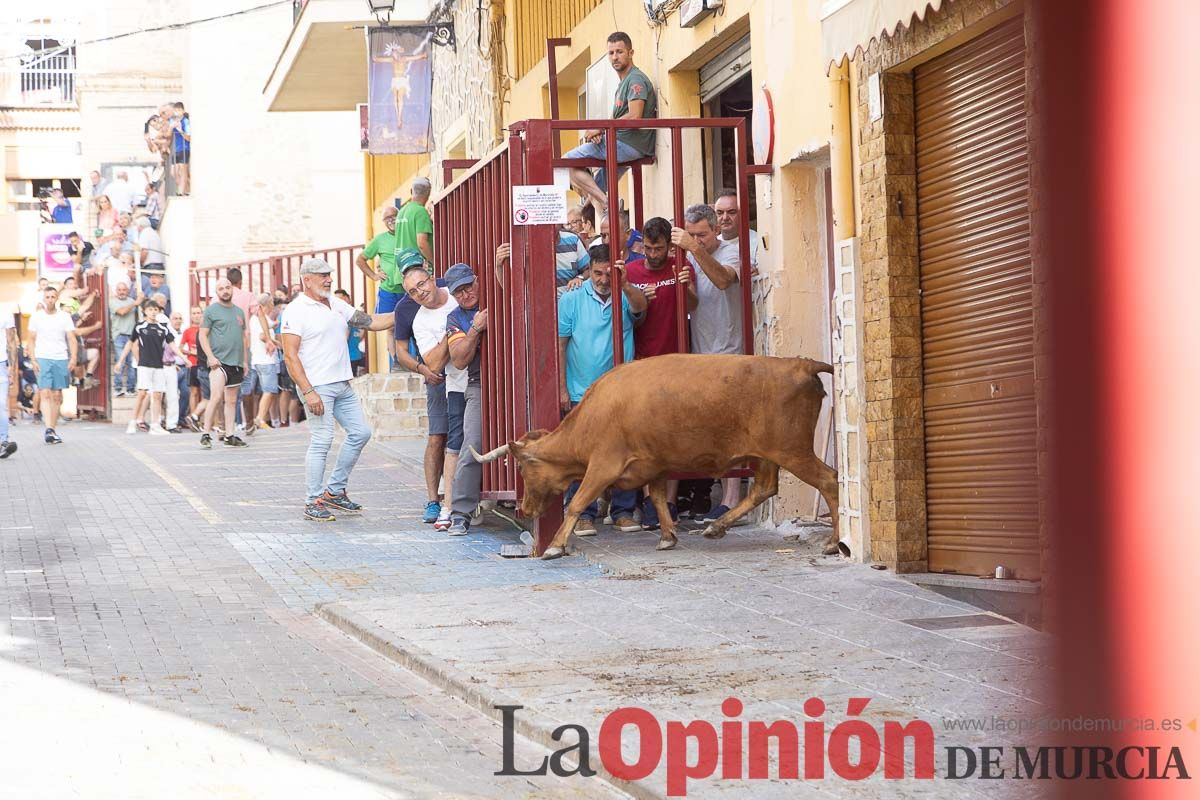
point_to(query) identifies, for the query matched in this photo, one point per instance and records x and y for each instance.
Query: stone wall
(468, 83)
(890, 283)
(394, 404)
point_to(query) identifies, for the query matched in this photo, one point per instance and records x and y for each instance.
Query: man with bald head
(122, 319)
(224, 341)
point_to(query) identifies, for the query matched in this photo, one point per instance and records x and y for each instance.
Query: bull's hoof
(552, 553)
(713, 532)
(831, 549)
(666, 544)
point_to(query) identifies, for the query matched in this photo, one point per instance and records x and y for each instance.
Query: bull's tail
(811, 369)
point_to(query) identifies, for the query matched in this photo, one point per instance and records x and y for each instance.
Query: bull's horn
(500, 451)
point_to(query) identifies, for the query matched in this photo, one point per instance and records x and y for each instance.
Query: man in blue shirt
(465, 328)
(59, 207)
(585, 351)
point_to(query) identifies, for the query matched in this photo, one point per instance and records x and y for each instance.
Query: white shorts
(151, 379)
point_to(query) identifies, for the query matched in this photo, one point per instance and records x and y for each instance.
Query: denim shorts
(268, 378)
(202, 382)
(456, 407)
(435, 408)
(52, 373)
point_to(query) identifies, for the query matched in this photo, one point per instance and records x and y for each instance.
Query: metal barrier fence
(473, 215)
(264, 275)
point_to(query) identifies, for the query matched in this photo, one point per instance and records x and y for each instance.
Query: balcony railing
(40, 80)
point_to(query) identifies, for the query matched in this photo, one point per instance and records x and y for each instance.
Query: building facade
(942, 351)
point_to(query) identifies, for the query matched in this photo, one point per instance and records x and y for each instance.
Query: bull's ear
(521, 450)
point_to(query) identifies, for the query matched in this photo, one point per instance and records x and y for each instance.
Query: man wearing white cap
(314, 329)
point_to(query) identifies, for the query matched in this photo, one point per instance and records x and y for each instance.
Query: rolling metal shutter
(977, 326)
(729, 66)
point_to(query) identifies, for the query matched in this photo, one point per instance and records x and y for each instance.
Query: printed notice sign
(539, 205)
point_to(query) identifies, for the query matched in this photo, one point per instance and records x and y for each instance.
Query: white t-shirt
(52, 331)
(121, 194)
(429, 328)
(717, 320)
(149, 240)
(755, 246)
(258, 348)
(322, 330)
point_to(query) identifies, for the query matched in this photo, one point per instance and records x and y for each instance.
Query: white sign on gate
(539, 205)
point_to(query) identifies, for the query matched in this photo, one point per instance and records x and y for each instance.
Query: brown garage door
(977, 307)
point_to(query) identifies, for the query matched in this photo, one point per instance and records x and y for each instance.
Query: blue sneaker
(716, 513)
(650, 520)
(432, 509)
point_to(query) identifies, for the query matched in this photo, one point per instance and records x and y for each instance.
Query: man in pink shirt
(247, 301)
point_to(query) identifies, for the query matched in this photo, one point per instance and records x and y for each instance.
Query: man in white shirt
(120, 192)
(52, 339)
(429, 332)
(314, 330)
(728, 221)
(717, 320)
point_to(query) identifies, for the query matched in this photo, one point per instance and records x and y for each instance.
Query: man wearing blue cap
(465, 328)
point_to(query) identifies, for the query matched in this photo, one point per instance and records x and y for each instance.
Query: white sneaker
(157, 430)
(443, 520)
(131, 427)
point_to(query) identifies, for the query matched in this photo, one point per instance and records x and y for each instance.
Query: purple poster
(54, 262)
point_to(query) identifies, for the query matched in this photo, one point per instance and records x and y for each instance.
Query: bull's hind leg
(658, 496)
(766, 484)
(591, 487)
(822, 477)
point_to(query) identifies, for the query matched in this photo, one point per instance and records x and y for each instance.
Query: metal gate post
(743, 191)
(537, 265)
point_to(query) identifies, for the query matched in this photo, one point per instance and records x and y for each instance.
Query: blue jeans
(4, 402)
(624, 501)
(123, 375)
(342, 406)
(184, 398)
(625, 154)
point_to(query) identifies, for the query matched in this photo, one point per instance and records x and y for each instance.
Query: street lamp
(382, 9)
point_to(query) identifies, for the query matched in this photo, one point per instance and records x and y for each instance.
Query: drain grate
(950, 623)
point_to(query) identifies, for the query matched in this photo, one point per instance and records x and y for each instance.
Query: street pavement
(158, 635)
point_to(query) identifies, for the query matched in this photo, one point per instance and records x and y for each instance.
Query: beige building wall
(263, 183)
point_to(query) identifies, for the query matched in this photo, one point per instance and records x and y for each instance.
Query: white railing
(40, 80)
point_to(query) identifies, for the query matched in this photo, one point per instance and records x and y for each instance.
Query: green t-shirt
(384, 246)
(636, 86)
(412, 219)
(226, 326)
(121, 324)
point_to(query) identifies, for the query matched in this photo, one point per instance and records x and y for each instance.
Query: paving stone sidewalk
(157, 635)
(757, 616)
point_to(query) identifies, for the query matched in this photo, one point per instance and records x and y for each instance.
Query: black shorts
(183, 156)
(285, 381)
(233, 375)
(194, 376)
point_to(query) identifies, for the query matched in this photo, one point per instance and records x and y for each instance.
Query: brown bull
(645, 420)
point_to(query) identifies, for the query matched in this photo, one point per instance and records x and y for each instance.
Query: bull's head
(542, 479)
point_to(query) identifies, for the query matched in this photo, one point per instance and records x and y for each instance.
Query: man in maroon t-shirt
(655, 333)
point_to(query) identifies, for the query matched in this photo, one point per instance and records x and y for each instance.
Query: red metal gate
(95, 401)
(473, 216)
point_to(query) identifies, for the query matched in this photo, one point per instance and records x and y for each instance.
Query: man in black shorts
(224, 340)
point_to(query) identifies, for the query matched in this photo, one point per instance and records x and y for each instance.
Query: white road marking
(21, 571)
(201, 507)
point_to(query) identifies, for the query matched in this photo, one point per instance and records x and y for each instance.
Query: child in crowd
(149, 342)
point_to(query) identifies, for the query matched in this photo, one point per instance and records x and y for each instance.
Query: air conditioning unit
(692, 11)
